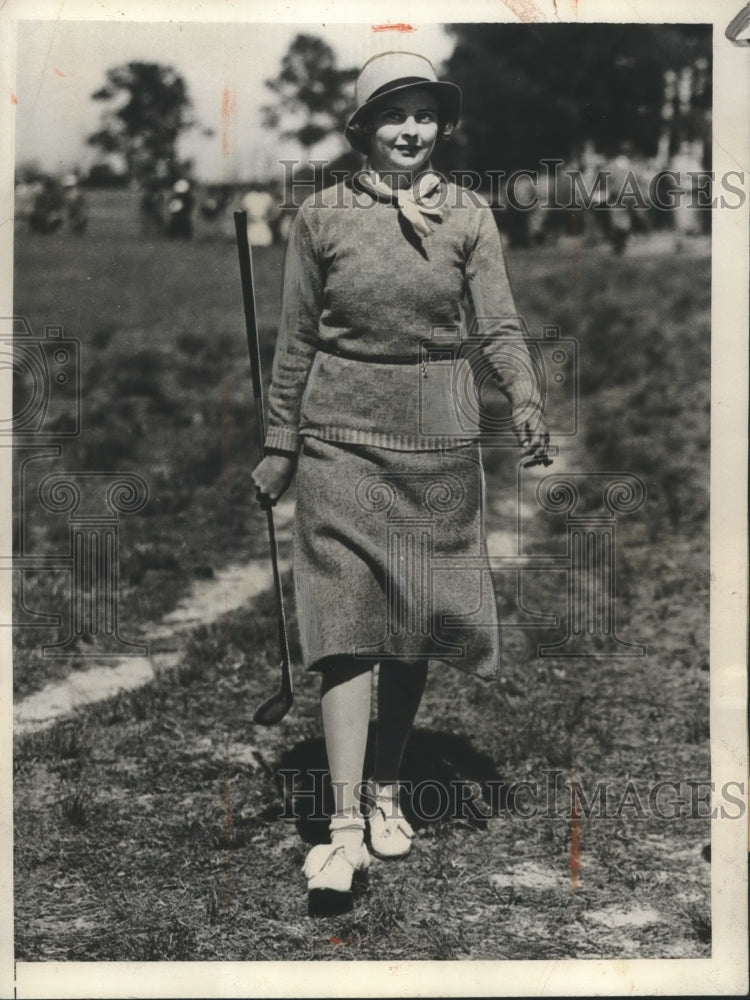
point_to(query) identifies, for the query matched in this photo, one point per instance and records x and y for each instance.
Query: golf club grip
(251, 327)
(251, 323)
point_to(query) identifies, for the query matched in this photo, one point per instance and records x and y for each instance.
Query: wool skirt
(390, 559)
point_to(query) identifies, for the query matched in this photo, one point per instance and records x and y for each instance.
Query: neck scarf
(417, 203)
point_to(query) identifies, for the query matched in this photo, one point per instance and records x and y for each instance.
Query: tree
(147, 112)
(541, 90)
(313, 94)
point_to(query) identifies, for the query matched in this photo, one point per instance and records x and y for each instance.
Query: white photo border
(726, 971)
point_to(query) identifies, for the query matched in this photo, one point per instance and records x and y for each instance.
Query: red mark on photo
(575, 840)
(228, 108)
(13, 98)
(525, 10)
(59, 72)
(393, 27)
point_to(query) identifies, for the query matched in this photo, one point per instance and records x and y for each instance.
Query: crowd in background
(49, 203)
(541, 207)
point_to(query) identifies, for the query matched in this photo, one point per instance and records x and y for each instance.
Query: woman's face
(404, 132)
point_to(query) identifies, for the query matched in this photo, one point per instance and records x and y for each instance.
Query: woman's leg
(345, 704)
(400, 688)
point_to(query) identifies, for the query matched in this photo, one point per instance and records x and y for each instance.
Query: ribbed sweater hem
(288, 440)
(282, 439)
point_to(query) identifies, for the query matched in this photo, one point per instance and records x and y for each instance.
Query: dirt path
(232, 587)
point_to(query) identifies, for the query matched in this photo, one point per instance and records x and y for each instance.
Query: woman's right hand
(272, 478)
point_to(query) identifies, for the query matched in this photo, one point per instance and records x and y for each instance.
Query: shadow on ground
(444, 776)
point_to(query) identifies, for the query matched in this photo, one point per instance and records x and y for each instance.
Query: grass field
(147, 825)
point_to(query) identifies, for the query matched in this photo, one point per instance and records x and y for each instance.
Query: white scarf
(414, 203)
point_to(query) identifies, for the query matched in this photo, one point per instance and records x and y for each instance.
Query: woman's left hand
(535, 444)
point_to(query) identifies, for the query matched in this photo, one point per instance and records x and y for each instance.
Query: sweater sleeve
(296, 345)
(499, 332)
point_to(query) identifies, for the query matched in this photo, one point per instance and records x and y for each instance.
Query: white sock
(348, 829)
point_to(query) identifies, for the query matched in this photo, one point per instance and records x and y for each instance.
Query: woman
(371, 404)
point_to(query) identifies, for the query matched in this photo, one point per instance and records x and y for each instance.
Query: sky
(61, 63)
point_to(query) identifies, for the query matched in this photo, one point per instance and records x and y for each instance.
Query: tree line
(531, 92)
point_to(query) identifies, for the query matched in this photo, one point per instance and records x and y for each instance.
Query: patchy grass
(147, 827)
(165, 393)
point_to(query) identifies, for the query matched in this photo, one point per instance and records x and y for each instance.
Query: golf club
(276, 707)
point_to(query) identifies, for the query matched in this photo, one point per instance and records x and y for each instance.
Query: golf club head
(274, 708)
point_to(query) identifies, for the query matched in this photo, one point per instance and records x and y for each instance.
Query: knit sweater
(372, 346)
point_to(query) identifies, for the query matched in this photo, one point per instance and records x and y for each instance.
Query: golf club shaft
(251, 327)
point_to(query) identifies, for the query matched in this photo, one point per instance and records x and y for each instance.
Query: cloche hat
(389, 73)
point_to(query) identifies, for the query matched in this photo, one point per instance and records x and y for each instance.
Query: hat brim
(448, 96)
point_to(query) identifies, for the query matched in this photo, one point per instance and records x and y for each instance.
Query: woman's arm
(502, 333)
(297, 342)
(295, 349)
